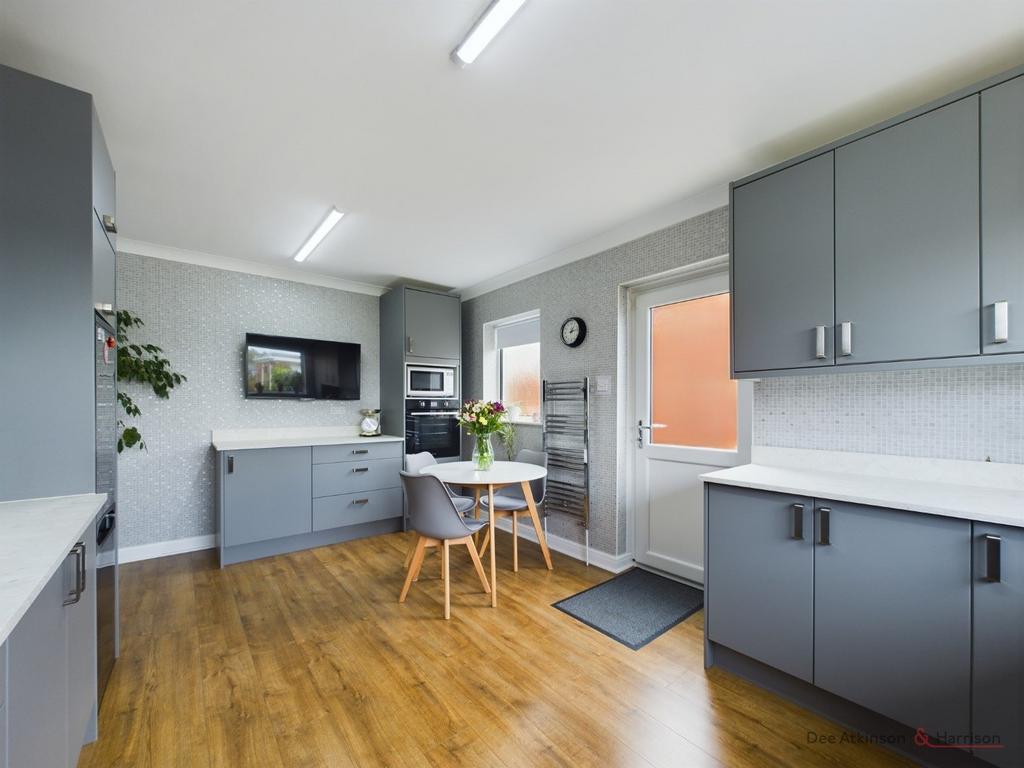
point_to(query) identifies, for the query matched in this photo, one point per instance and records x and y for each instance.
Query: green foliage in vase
(140, 364)
(507, 435)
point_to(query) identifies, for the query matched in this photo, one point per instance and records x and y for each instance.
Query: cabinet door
(433, 325)
(999, 642)
(267, 494)
(782, 268)
(892, 613)
(81, 649)
(104, 193)
(1002, 213)
(760, 576)
(907, 259)
(37, 681)
(103, 270)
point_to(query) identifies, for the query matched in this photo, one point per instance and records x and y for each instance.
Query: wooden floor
(309, 660)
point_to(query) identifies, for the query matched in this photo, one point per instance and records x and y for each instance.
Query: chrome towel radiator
(566, 423)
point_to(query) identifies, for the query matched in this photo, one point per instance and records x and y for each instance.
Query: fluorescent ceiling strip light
(321, 232)
(486, 28)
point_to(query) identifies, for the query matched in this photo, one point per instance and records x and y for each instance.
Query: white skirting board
(613, 563)
(575, 550)
(166, 548)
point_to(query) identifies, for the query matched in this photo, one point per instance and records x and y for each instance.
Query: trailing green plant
(139, 364)
(507, 435)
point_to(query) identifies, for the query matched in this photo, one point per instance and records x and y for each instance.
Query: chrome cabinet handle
(360, 501)
(823, 526)
(360, 469)
(359, 451)
(819, 342)
(408, 343)
(993, 558)
(76, 594)
(798, 522)
(846, 339)
(109, 223)
(1001, 322)
(231, 464)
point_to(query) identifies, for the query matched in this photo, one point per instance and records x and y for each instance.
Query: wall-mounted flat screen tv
(307, 369)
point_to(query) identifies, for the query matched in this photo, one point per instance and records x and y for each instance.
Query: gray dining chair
(437, 523)
(511, 502)
(416, 463)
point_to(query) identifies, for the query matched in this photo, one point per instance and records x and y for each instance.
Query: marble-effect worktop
(287, 437)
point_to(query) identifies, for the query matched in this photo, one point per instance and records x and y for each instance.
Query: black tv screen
(286, 367)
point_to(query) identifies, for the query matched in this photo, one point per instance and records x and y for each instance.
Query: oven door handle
(433, 413)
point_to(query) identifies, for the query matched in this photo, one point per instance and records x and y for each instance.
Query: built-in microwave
(436, 381)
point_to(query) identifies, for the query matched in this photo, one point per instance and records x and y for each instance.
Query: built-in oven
(433, 381)
(433, 426)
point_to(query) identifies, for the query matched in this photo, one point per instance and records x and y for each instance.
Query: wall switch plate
(604, 385)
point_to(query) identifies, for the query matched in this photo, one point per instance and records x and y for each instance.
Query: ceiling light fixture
(321, 232)
(486, 29)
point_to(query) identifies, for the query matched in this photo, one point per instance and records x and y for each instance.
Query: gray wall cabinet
(925, 210)
(276, 500)
(266, 494)
(433, 325)
(782, 277)
(907, 262)
(104, 203)
(1002, 222)
(51, 685)
(763, 577)
(998, 678)
(892, 614)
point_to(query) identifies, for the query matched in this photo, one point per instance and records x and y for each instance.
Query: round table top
(501, 473)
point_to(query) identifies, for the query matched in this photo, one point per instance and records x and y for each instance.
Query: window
(512, 365)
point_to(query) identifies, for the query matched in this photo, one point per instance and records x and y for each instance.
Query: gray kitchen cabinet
(355, 476)
(760, 576)
(998, 659)
(782, 268)
(104, 262)
(1002, 222)
(81, 653)
(265, 494)
(906, 239)
(433, 324)
(892, 613)
(38, 679)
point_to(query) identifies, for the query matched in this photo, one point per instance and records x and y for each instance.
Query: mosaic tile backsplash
(972, 413)
(200, 317)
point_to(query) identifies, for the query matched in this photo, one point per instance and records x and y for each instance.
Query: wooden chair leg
(414, 566)
(487, 540)
(411, 552)
(515, 542)
(478, 565)
(447, 580)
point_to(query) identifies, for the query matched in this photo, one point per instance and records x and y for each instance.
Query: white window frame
(492, 360)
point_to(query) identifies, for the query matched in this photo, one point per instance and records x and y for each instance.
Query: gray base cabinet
(763, 577)
(998, 680)
(892, 614)
(276, 500)
(51, 685)
(265, 494)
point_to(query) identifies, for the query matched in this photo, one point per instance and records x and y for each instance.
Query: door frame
(627, 448)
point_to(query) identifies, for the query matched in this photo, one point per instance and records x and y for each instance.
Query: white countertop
(995, 503)
(37, 536)
(287, 437)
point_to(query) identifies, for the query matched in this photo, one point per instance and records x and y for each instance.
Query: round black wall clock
(574, 331)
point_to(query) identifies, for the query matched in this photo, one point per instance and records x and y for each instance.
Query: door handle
(76, 594)
(993, 558)
(1001, 322)
(823, 526)
(798, 522)
(846, 339)
(640, 427)
(231, 464)
(819, 342)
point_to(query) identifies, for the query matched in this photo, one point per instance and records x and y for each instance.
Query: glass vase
(483, 453)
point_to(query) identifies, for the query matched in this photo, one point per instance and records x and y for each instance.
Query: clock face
(574, 330)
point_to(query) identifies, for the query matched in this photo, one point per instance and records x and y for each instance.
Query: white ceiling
(235, 125)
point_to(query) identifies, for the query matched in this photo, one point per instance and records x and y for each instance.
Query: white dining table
(501, 475)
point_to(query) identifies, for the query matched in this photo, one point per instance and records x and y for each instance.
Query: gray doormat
(634, 607)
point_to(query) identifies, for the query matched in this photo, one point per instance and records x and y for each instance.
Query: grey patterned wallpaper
(590, 288)
(969, 413)
(200, 316)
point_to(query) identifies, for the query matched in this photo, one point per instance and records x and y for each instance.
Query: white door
(690, 418)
